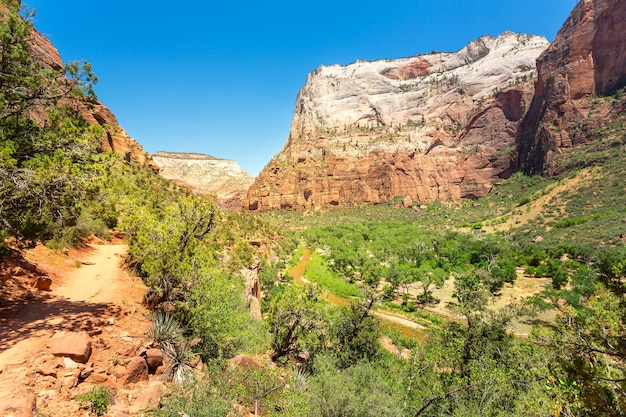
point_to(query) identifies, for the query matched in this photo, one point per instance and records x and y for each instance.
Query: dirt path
(94, 286)
(536, 207)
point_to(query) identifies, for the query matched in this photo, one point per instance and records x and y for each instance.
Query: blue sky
(221, 78)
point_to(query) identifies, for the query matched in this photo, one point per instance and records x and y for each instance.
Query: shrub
(99, 399)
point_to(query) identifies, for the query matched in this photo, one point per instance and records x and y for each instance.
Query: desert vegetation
(310, 357)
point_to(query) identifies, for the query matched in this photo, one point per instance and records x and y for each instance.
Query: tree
(588, 343)
(355, 332)
(297, 321)
(169, 245)
(45, 167)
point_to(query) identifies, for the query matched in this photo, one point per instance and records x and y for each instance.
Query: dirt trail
(536, 207)
(95, 285)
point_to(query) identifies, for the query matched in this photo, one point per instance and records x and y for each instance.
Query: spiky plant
(180, 355)
(165, 330)
(300, 377)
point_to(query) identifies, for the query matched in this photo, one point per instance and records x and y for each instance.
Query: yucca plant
(180, 355)
(165, 330)
(300, 377)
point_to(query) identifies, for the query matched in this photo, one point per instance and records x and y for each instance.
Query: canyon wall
(206, 175)
(440, 126)
(115, 138)
(587, 59)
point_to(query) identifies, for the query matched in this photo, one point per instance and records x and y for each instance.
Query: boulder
(154, 358)
(42, 283)
(136, 370)
(22, 403)
(74, 345)
(48, 366)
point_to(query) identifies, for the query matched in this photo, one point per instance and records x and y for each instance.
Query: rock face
(115, 137)
(586, 59)
(433, 127)
(206, 175)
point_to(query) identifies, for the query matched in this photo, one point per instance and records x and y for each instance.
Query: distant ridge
(206, 175)
(187, 155)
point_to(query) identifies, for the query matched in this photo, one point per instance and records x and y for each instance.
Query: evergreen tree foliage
(46, 167)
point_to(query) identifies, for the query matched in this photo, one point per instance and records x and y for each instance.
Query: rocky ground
(87, 329)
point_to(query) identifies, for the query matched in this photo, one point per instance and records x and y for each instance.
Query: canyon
(432, 127)
(447, 126)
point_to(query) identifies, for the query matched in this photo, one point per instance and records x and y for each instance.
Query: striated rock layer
(206, 175)
(440, 126)
(115, 138)
(586, 59)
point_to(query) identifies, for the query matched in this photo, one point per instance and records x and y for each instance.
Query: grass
(578, 212)
(318, 271)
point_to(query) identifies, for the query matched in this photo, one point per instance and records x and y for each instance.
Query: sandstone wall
(206, 175)
(440, 126)
(115, 138)
(586, 59)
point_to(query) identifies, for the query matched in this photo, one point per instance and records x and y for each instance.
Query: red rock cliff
(115, 137)
(440, 126)
(586, 59)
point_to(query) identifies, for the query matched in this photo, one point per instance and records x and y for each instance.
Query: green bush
(99, 398)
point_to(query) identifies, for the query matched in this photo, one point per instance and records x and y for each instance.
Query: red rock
(48, 366)
(351, 141)
(136, 370)
(74, 345)
(42, 283)
(244, 361)
(115, 137)
(97, 378)
(86, 373)
(128, 353)
(21, 403)
(147, 398)
(587, 58)
(154, 358)
(70, 382)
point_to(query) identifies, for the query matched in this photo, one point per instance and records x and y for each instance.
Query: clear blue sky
(221, 77)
